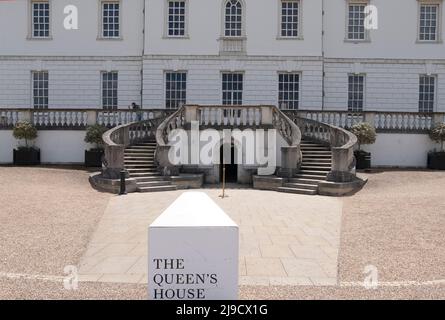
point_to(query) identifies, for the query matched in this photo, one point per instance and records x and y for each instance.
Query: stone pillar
(290, 162)
(438, 118)
(114, 156)
(341, 160)
(266, 115)
(91, 117)
(191, 114)
(369, 118)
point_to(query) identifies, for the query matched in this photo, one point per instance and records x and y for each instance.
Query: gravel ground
(395, 223)
(47, 217)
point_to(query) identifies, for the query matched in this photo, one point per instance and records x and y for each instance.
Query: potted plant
(436, 159)
(365, 135)
(27, 154)
(93, 157)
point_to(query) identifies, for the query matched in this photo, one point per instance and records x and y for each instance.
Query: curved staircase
(139, 162)
(317, 162)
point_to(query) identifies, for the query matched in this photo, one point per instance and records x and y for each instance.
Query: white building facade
(314, 55)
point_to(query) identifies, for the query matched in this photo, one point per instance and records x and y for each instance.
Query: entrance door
(231, 169)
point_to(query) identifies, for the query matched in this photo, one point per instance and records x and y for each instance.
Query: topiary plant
(437, 134)
(25, 131)
(365, 133)
(94, 135)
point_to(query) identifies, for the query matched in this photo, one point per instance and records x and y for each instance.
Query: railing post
(438, 118)
(369, 117)
(191, 114)
(91, 117)
(28, 116)
(341, 160)
(290, 162)
(266, 115)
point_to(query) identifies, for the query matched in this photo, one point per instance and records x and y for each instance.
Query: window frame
(299, 25)
(243, 21)
(165, 86)
(363, 93)
(100, 35)
(435, 78)
(367, 35)
(295, 73)
(33, 105)
(242, 73)
(102, 73)
(31, 22)
(186, 20)
(439, 17)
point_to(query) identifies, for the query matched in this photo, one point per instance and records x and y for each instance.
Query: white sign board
(193, 252)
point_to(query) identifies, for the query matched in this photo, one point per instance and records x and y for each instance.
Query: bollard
(123, 189)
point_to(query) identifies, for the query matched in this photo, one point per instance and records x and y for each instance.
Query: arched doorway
(231, 168)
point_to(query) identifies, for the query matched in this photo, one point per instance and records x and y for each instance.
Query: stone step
(157, 189)
(151, 144)
(154, 184)
(306, 181)
(137, 161)
(321, 167)
(314, 172)
(297, 191)
(137, 146)
(316, 148)
(144, 174)
(316, 152)
(310, 176)
(141, 170)
(311, 161)
(301, 186)
(137, 151)
(312, 157)
(137, 157)
(150, 179)
(146, 167)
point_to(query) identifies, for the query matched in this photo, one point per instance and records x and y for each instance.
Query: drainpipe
(322, 54)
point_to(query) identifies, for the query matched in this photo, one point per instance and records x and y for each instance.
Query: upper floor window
(40, 89)
(109, 90)
(232, 88)
(356, 91)
(175, 89)
(290, 18)
(429, 17)
(356, 21)
(233, 19)
(288, 90)
(110, 19)
(40, 19)
(176, 19)
(426, 93)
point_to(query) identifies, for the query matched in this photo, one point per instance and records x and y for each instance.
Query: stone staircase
(139, 162)
(317, 161)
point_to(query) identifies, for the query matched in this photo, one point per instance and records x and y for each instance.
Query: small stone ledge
(100, 183)
(338, 189)
(268, 182)
(188, 181)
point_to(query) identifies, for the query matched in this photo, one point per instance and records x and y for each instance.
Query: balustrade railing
(238, 116)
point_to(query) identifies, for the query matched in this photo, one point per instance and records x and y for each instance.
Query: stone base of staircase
(308, 187)
(102, 184)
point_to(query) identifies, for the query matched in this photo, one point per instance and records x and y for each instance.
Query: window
(233, 17)
(429, 22)
(288, 90)
(356, 21)
(176, 18)
(355, 92)
(40, 19)
(232, 88)
(109, 90)
(426, 93)
(110, 19)
(175, 89)
(40, 89)
(289, 18)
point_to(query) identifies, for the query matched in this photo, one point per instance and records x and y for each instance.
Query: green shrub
(437, 134)
(24, 131)
(94, 135)
(365, 133)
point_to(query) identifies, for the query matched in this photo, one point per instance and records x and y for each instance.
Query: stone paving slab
(285, 239)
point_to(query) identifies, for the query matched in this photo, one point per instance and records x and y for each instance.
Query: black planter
(93, 158)
(26, 157)
(363, 159)
(436, 160)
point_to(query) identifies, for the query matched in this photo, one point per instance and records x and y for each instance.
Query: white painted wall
(260, 79)
(56, 146)
(395, 38)
(261, 26)
(14, 30)
(400, 150)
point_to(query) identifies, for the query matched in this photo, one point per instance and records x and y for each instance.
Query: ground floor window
(356, 88)
(175, 89)
(232, 88)
(40, 89)
(109, 90)
(426, 93)
(288, 90)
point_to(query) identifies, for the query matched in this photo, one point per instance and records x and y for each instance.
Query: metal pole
(123, 189)
(224, 182)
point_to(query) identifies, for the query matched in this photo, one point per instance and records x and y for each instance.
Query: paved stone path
(285, 239)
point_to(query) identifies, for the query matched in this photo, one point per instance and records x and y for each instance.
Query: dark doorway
(231, 168)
